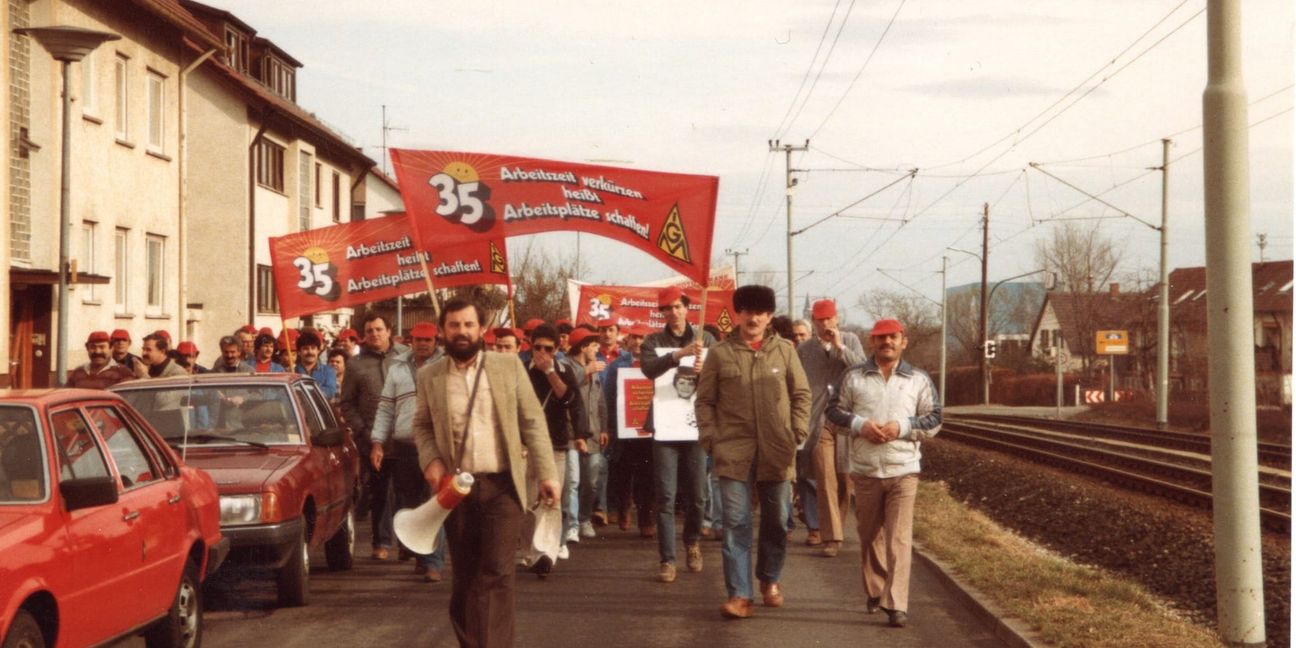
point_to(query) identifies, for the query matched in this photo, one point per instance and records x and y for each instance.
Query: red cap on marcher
(248, 328)
(120, 334)
(266, 330)
(639, 330)
(187, 348)
(532, 324)
(823, 308)
(97, 336)
(162, 333)
(562, 321)
(580, 335)
(348, 334)
(606, 322)
(887, 327)
(288, 338)
(489, 337)
(424, 330)
(668, 296)
(505, 331)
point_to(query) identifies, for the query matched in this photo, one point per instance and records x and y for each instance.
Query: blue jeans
(775, 501)
(593, 486)
(809, 494)
(570, 492)
(714, 518)
(682, 464)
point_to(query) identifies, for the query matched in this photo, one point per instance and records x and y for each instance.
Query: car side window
(78, 452)
(325, 410)
(314, 423)
(133, 462)
(22, 456)
(160, 456)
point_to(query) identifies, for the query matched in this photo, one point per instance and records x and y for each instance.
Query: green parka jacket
(753, 407)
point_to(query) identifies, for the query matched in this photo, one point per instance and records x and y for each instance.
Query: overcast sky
(969, 93)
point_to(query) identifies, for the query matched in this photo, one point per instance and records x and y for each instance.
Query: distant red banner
(630, 305)
(371, 260)
(465, 196)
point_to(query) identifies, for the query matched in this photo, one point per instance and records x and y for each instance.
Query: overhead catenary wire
(860, 71)
(806, 75)
(822, 66)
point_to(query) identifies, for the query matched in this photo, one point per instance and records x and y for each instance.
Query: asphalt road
(606, 593)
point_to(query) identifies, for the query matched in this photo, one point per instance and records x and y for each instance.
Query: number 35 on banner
(463, 197)
(318, 275)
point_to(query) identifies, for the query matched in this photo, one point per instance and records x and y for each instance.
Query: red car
(105, 531)
(286, 469)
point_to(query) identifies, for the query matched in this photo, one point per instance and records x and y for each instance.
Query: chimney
(1115, 289)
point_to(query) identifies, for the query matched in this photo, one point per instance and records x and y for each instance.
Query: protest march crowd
(787, 420)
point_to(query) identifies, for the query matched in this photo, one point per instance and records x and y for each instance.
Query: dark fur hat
(754, 299)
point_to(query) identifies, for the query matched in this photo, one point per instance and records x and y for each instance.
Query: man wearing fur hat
(753, 409)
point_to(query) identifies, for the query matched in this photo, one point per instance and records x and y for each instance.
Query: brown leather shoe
(813, 539)
(381, 553)
(648, 532)
(772, 594)
(599, 518)
(736, 608)
(831, 548)
(623, 520)
(432, 576)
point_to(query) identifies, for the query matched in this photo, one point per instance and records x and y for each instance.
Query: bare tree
(540, 284)
(1085, 260)
(920, 316)
(1011, 310)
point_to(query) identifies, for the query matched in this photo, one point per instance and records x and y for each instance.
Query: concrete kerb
(1012, 631)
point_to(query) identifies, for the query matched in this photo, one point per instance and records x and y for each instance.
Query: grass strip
(1066, 603)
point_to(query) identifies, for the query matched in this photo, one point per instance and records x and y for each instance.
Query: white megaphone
(417, 528)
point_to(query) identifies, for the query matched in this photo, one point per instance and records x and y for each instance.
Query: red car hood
(243, 470)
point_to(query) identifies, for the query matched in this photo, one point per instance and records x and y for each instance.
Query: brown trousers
(886, 505)
(482, 533)
(833, 490)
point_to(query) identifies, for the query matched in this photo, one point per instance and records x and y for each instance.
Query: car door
(103, 549)
(327, 487)
(346, 452)
(151, 488)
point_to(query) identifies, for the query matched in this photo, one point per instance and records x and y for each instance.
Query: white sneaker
(572, 536)
(587, 530)
(563, 554)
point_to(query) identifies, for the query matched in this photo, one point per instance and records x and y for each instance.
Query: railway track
(1119, 465)
(1269, 454)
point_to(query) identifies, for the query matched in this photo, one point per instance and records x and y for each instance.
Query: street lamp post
(67, 45)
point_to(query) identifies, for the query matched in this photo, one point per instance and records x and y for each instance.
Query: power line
(805, 77)
(822, 66)
(859, 72)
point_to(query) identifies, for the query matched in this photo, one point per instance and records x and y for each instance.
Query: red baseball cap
(288, 338)
(248, 328)
(186, 348)
(823, 308)
(887, 327)
(266, 330)
(97, 336)
(606, 322)
(668, 296)
(639, 330)
(562, 321)
(424, 330)
(532, 324)
(162, 333)
(580, 335)
(489, 337)
(120, 334)
(348, 334)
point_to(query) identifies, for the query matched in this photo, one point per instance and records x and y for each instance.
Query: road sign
(991, 347)
(1112, 342)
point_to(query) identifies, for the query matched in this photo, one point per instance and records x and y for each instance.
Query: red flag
(371, 260)
(464, 196)
(630, 305)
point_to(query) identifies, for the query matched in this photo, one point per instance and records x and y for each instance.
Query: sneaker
(587, 530)
(772, 594)
(432, 576)
(736, 608)
(874, 604)
(573, 535)
(666, 573)
(563, 554)
(542, 566)
(897, 618)
(813, 539)
(831, 548)
(694, 560)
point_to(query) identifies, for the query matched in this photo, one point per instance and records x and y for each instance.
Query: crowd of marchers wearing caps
(793, 417)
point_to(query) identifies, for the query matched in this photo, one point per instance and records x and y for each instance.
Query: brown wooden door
(30, 342)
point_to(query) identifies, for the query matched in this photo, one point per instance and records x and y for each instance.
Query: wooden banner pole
(427, 276)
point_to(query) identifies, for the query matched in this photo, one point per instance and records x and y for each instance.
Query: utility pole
(1262, 240)
(985, 311)
(1239, 581)
(400, 300)
(944, 324)
(787, 149)
(1163, 299)
(736, 254)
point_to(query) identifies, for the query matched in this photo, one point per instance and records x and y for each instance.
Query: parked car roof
(53, 396)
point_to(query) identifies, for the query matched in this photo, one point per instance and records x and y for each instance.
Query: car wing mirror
(330, 436)
(88, 492)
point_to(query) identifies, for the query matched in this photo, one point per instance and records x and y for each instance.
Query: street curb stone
(1012, 631)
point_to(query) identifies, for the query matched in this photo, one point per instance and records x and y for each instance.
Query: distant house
(1069, 322)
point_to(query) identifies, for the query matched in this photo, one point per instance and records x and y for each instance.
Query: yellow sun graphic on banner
(316, 254)
(461, 171)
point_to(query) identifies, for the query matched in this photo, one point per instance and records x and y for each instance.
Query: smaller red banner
(372, 260)
(630, 305)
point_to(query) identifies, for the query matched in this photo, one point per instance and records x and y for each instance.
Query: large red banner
(465, 196)
(371, 260)
(630, 305)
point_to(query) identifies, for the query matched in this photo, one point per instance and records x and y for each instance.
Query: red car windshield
(261, 414)
(22, 463)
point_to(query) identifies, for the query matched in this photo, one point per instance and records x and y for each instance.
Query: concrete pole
(944, 324)
(985, 312)
(1163, 302)
(1057, 362)
(1239, 581)
(790, 184)
(65, 227)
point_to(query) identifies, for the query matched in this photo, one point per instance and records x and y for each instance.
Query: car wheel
(293, 578)
(339, 551)
(25, 632)
(183, 624)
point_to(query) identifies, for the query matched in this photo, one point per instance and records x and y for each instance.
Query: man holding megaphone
(475, 411)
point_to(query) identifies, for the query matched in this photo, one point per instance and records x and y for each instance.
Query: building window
(267, 300)
(281, 79)
(86, 263)
(269, 165)
(303, 196)
(319, 193)
(236, 54)
(121, 268)
(156, 111)
(337, 197)
(155, 256)
(89, 98)
(121, 81)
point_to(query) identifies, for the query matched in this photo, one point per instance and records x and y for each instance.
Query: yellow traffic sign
(1112, 342)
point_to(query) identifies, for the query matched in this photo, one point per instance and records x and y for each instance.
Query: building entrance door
(30, 342)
